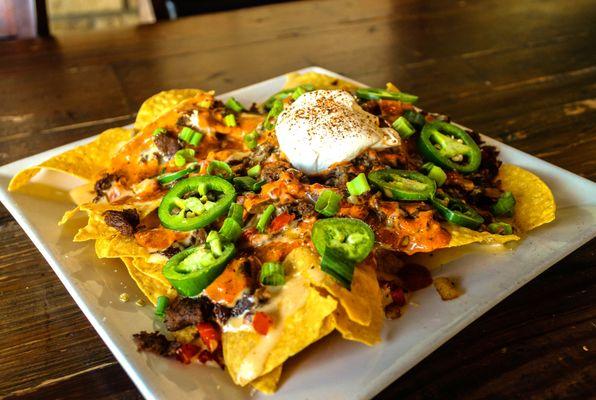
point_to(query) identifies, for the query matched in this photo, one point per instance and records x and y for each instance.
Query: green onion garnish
(247, 183)
(272, 274)
(191, 136)
(234, 105)
(250, 139)
(160, 308)
(358, 185)
(230, 230)
(183, 156)
(338, 267)
(435, 173)
(159, 131)
(285, 93)
(298, 92)
(220, 168)
(403, 127)
(236, 212)
(505, 205)
(174, 176)
(230, 120)
(265, 218)
(328, 203)
(500, 228)
(415, 118)
(254, 171)
(214, 242)
(376, 94)
(271, 118)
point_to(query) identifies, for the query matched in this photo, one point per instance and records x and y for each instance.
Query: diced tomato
(205, 356)
(186, 352)
(280, 221)
(415, 276)
(209, 335)
(398, 296)
(261, 323)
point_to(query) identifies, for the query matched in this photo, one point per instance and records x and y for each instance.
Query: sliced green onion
(403, 127)
(265, 218)
(230, 230)
(500, 228)
(214, 242)
(415, 118)
(328, 203)
(234, 105)
(298, 92)
(191, 136)
(271, 118)
(338, 267)
(236, 212)
(183, 156)
(230, 120)
(435, 173)
(220, 168)
(160, 308)
(196, 138)
(244, 183)
(505, 205)
(159, 131)
(285, 93)
(254, 171)
(376, 94)
(174, 176)
(358, 185)
(250, 139)
(272, 274)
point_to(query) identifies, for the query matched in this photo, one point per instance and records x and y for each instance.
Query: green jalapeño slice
(456, 211)
(193, 269)
(195, 202)
(403, 185)
(449, 146)
(350, 239)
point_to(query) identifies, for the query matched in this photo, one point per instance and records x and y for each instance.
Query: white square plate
(334, 369)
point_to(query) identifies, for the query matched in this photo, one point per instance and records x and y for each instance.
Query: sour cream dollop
(324, 127)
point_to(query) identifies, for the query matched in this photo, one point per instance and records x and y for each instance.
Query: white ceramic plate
(332, 368)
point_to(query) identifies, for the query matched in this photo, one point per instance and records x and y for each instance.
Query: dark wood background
(521, 71)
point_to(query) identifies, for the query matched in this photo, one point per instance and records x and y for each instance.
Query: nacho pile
(247, 258)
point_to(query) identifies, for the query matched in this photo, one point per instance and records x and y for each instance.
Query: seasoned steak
(156, 343)
(167, 144)
(125, 221)
(186, 311)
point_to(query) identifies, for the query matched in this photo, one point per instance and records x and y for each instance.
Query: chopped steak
(183, 312)
(155, 343)
(168, 145)
(124, 221)
(104, 183)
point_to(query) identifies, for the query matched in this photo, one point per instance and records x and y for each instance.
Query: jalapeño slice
(449, 146)
(402, 184)
(351, 239)
(193, 269)
(195, 202)
(456, 211)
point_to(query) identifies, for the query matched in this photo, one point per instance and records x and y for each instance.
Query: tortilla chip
(249, 355)
(267, 383)
(319, 81)
(535, 204)
(85, 161)
(461, 236)
(368, 334)
(151, 288)
(154, 270)
(358, 302)
(160, 103)
(446, 288)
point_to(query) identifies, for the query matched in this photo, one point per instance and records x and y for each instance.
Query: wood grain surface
(523, 72)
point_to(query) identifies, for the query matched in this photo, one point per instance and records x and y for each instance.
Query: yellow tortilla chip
(85, 161)
(151, 288)
(319, 81)
(268, 383)
(350, 330)
(535, 204)
(358, 302)
(154, 270)
(160, 103)
(303, 310)
(461, 236)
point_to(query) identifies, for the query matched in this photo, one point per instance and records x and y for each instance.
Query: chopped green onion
(173, 176)
(230, 120)
(435, 173)
(500, 228)
(271, 118)
(338, 267)
(254, 171)
(285, 93)
(196, 138)
(206, 103)
(376, 94)
(160, 308)
(505, 205)
(236, 212)
(250, 139)
(214, 242)
(358, 185)
(328, 203)
(183, 156)
(190, 136)
(272, 274)
(220, 168)
(403, 127)
(298, 92)
(230, 230)
(159, 131)
(265, 218)
(234, 105)
(415, 118)
(247, 183)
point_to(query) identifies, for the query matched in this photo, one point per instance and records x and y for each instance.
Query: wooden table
(523, 72)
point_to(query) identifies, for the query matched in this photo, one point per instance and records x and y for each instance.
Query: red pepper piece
(209, 335)
(398, 296)
(261, 323)
(186, 352)
(280, 221)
